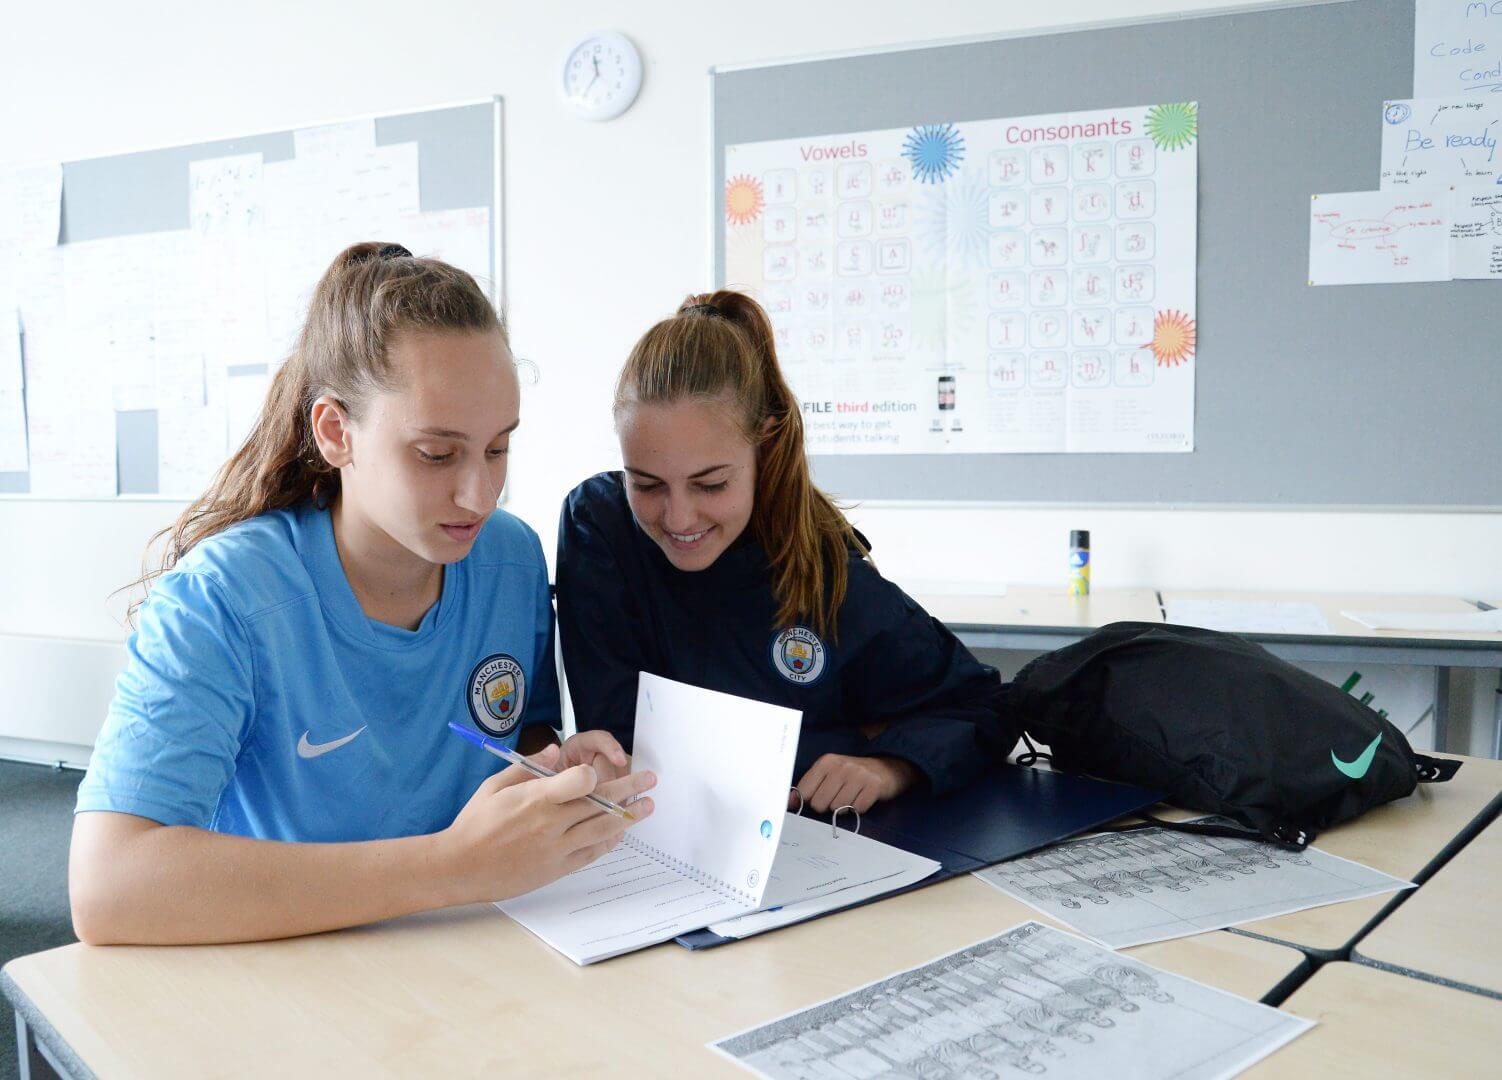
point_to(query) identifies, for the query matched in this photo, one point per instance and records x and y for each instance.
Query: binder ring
(798, 812)
(834, 822)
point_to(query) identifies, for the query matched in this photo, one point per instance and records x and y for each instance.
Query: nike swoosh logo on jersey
(306, 749)
(1357, 769)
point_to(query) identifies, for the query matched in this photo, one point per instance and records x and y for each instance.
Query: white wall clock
(602, 75)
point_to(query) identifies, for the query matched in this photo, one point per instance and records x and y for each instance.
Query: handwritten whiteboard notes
(1365, 237)
(1019, 285)
(1436, 142)
(1457, 47)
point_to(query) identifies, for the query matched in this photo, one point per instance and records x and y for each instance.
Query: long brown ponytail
(720, 345)
(370, 292)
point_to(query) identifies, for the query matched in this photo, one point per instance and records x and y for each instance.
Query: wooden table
(467, 991)
(1403, 838)
(1375, 1024)
(1039, 619)
(1447, 930)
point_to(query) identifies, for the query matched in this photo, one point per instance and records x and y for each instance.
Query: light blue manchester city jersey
(260, 700)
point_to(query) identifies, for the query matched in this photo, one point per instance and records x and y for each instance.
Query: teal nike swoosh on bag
(1357, 769)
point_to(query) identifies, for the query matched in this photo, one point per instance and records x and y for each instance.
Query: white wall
(608, 226)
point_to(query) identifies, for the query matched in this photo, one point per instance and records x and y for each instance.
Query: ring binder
(834, 821)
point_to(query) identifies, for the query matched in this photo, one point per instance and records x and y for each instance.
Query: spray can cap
(1079, 538)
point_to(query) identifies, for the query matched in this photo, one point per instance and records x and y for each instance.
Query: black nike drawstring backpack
(1220, 725)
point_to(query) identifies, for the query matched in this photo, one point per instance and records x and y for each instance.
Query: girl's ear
(331, 431)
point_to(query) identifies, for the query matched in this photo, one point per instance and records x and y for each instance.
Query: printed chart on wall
(1021, 285)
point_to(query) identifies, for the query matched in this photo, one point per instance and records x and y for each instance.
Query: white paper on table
(1476, 233)
(12, 394)
(1130, 888)
(1031, 999)
(31, 199)
(1247, 616)
(1457, 47)
(1465, 622)
(1434, 143)
(724, 765)
(347, 137)
(818, 870)
(224, 194)
(1367, 237)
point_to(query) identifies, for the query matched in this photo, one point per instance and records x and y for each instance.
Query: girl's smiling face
(690, 477)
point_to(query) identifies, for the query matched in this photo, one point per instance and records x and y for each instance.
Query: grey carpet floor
(36, 817)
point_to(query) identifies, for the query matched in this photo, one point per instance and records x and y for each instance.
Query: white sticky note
(1365, 237)
(1457, 47)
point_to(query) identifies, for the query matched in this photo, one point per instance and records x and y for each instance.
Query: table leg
(1441, 710)
(32, 1060)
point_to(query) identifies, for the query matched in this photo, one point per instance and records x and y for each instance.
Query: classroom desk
(1447, 929)
(1372, 1023)
(1039, 619)
(466, 991)
(1403, 838)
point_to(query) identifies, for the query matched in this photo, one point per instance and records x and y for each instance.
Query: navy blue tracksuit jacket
(624, 608)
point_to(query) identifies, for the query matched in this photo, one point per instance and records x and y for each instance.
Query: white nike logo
(306, 749)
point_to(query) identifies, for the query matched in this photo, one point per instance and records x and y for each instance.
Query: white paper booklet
(819, 870)
(1248, 616)
(1030, 1000)
(724, 765)
(1129, 888)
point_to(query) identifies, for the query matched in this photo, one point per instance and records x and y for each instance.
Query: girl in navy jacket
(714, 560)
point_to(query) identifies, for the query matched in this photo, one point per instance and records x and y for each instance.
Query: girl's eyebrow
(448, 433)
(694, 476)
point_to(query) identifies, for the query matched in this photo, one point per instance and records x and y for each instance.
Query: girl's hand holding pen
(518, 832)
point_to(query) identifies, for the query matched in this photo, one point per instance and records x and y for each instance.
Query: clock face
(601, 76)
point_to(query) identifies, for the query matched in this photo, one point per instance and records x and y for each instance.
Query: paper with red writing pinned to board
(1366, 237)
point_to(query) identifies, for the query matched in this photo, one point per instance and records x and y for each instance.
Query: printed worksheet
(1247, 616)
(1367, 237)
(1030, 1000)
(995, 286)
(1130, 888)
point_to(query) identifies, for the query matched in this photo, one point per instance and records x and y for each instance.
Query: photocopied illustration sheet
(724, 765)
(1367, 237)
(1016, 285)
(1130, 888)
(818, 869)
(1457, 48)
(1246, 616)
(1029, 1000)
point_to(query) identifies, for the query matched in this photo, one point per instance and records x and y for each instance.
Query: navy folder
(1004, 814)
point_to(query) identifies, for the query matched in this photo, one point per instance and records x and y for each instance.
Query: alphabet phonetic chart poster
(1022, 285)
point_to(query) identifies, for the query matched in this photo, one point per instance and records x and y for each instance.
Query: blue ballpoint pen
(505, 753)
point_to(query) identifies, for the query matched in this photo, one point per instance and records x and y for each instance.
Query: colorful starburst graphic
(1173, 127)
(1173, 338)
(743, 200)
(934, 151)
(953, 222)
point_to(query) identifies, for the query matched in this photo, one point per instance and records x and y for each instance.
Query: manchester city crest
(497, 693)
(798, 655)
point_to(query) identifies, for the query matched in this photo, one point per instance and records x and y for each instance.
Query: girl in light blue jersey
(276, 759)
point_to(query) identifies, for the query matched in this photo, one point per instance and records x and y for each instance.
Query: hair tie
(704, 309)
(394, 251)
